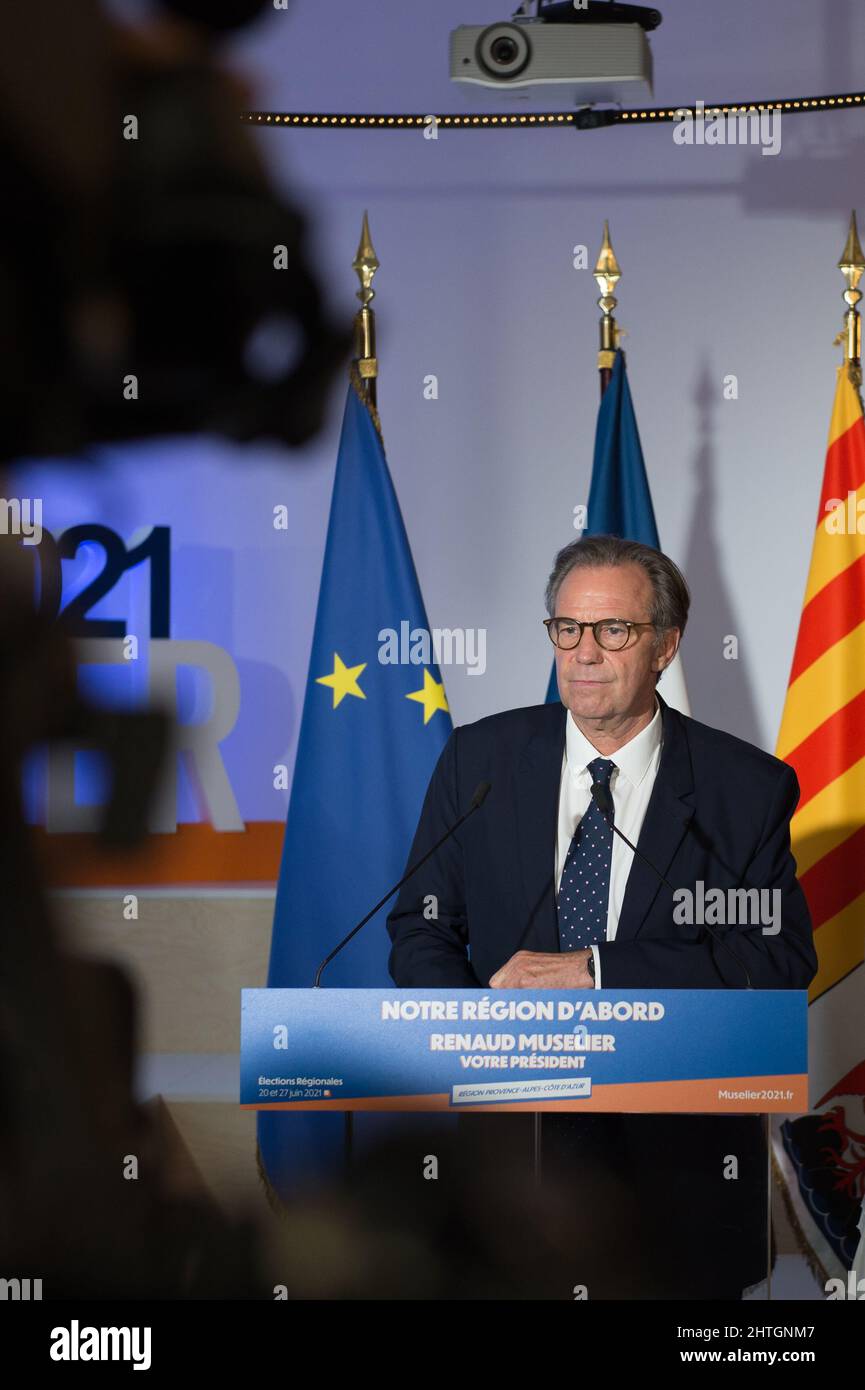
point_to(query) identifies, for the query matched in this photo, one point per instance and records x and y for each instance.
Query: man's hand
(545, 970)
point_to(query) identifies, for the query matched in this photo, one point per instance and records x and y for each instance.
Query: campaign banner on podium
(708, 1051)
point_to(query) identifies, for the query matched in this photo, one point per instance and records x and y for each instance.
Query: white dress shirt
(631, 783)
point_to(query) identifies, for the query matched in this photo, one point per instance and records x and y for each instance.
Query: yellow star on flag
(343, 680)
(432, 697)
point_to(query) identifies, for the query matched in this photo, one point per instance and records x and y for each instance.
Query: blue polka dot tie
(585, 887)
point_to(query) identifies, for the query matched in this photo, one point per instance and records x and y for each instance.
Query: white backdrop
(728, 261)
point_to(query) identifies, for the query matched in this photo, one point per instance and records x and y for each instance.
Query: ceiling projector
(568, 54)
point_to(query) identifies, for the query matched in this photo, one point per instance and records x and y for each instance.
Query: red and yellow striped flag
(822, 737)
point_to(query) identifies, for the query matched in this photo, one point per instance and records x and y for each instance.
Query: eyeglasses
(610, 633)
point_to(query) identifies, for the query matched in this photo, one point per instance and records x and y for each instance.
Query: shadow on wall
(718, 687)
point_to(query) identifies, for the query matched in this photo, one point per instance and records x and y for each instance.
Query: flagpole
(365, 363)
(852, 265)
(364, 373)
(607, 273)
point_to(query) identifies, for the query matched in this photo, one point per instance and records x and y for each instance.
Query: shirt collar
(632, 759)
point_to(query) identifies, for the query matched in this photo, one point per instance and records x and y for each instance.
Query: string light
(586, 118)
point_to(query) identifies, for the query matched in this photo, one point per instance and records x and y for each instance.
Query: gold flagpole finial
(365, 264)
(607, 274)
(852, 266)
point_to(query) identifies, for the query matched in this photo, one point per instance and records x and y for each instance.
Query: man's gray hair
(671, 598)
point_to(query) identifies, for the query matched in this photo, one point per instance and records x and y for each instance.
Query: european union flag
(375, 720)
(620, 503)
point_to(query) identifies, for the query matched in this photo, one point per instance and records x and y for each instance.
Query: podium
(669, 1050)
(535, 1052)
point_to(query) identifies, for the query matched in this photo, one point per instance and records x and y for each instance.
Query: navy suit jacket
(719, 812)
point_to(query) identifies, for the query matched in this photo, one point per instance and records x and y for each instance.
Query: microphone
(603, 799)
(477, 800)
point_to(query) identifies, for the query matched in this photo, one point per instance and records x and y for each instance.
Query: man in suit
(536, 891)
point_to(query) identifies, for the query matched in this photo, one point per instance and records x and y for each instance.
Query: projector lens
(503, 50)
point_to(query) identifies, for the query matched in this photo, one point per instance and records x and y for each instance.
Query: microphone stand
(477, 800)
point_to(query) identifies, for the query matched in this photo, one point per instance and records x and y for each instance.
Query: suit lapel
(537, 784)
(669, 813)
